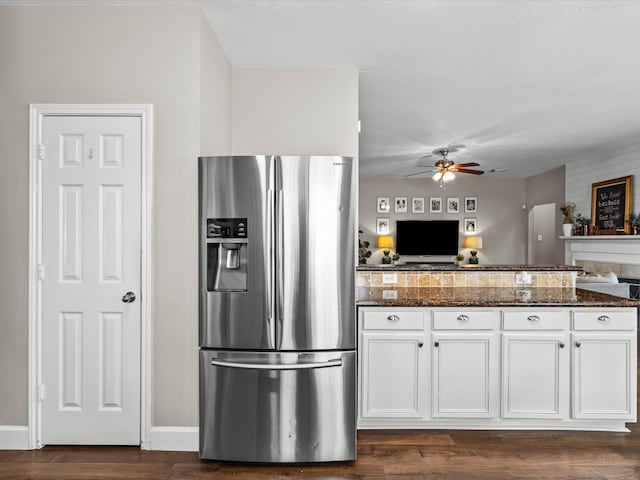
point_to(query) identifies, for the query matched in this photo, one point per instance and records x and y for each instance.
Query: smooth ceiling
(525, 85)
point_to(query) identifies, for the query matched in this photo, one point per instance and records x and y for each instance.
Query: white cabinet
(392, 364)
(535, 363)
(464, 375)
(512, 367)
(604, 365)
(535, 375)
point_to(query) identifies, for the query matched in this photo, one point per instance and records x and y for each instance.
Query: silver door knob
(129, 297)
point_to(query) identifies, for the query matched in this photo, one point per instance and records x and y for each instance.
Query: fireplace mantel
(619, 249)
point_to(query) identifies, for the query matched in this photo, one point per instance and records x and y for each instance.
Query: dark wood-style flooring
(392, 455)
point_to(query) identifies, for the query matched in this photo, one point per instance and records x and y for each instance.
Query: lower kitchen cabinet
(604, 375)
(535, 375)
(392, 374)
(551, 368)
(464, 375)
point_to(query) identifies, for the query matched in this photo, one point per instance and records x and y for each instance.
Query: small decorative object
(459, 258)
(453, 205)
(382, 226)
(363, 252)
(386, 242)
(634, 222)
(582, 225)
(611, 205)
(396, 258)
(435, 204)
(470, 225)
(475, 244)
(470, 204)
(383, 205)
(401, 204)
(567, 222)
(417, 205)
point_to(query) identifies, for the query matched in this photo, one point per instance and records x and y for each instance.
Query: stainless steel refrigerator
(277, 310)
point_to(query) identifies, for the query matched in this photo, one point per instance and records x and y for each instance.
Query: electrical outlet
(390, 294)
(523, 278)
(539, 237)
(389, 278)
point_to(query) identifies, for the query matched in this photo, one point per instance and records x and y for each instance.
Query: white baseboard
(179, 439)
(14, 437)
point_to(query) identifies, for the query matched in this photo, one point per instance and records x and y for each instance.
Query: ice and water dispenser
(227, 254)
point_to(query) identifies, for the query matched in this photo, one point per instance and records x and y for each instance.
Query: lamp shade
(385, 241)
(473, 242)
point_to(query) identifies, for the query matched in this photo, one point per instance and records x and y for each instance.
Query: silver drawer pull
(463, 317)
(533, 318)
(603, 318)
(393, 318)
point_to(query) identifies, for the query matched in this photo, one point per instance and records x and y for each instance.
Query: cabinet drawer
(603, 320)
(536, 320)
(393, 320)
(464, 320)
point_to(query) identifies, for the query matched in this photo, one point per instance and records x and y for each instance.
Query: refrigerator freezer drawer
(277, 407)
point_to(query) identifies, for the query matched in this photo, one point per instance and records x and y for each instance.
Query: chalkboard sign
(611, 206)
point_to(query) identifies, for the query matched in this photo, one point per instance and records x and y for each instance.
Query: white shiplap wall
(581, 173)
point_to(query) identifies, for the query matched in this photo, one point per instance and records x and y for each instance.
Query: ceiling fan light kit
(445, 168)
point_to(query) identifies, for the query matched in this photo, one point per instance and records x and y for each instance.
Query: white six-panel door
(91, 180)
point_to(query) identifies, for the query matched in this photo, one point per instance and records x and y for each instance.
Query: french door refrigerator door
(277, 407)
(315, 239)
(236, 274)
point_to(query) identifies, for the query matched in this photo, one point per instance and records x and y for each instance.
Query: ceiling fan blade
(471, 164)
(473, 172)
(418, 173)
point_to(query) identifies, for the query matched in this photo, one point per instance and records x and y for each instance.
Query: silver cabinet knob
(129, 297)
(436, 344)
(462, 318)
(420, 344)
(561, 344)
(578, 344)
(603, 318)
(393, 318)
(533, 318)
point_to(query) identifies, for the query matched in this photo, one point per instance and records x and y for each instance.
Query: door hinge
(41, 271)
(41, 392)
(41, 151)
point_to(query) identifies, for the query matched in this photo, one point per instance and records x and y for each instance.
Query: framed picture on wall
(401, 204)
(435, 204)
(383, 205)
(453, 205)
(382, 226)
(470, 204)
(470, 226)
(417, 205)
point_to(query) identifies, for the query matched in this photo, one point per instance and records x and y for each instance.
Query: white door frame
(37, 113)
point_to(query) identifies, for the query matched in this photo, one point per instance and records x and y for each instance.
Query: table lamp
(475, 244)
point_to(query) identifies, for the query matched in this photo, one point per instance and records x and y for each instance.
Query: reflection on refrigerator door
(277, 407)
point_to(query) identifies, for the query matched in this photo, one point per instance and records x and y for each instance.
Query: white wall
(502, 222)
(295, 112)
(115, 55)
(599, 166)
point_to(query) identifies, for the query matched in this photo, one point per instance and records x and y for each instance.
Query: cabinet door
(535, 375)
(604, 376)
(464, 380)
(392, 375)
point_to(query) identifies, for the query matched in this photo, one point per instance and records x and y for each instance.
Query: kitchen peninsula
(493, 347)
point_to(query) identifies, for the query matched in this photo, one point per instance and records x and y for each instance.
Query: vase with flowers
(567, 221)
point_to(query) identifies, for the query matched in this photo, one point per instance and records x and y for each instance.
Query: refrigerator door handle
(266, 366)
(280, 260)
(271, 258)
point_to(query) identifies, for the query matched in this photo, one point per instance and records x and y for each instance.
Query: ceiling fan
(445, 168)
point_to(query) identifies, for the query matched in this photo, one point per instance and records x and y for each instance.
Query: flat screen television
(427, 237)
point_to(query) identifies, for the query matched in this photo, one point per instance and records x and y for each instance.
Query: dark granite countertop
(466, 267)
(489, 297)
